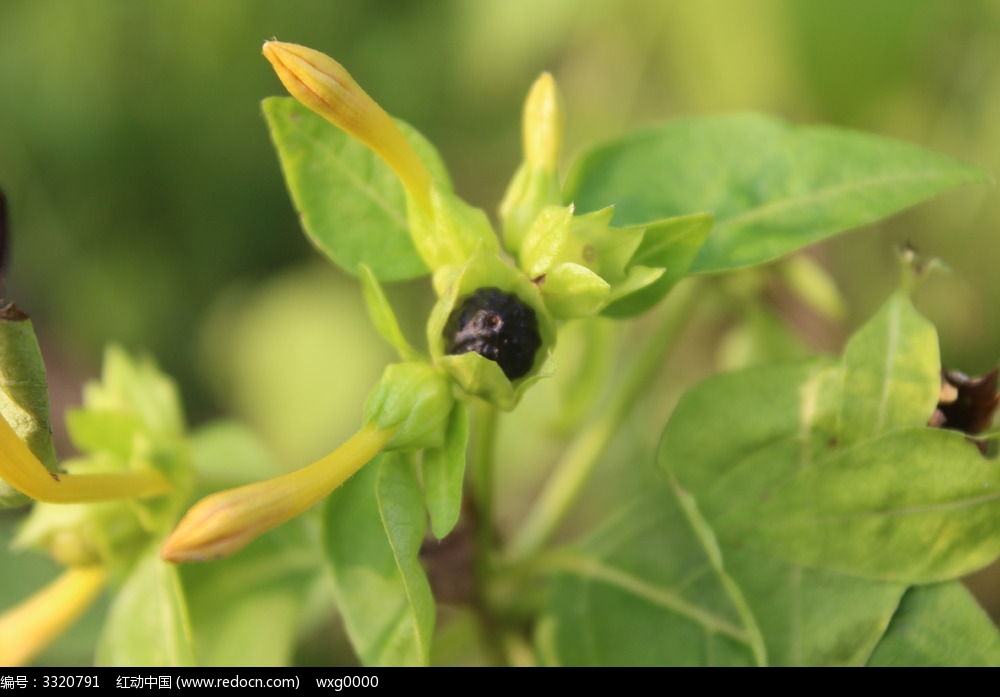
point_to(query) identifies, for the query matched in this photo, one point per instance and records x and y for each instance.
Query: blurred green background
(148, 208)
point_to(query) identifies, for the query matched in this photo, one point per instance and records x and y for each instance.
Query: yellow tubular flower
(223, 523)
(323, 85)
(31, 626)
(21, 469)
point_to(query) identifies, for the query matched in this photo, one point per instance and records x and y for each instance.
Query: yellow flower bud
(535, 184)
(323, 85)
(542, 124)
(223, 523)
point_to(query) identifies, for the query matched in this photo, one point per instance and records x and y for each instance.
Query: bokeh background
(148, 208)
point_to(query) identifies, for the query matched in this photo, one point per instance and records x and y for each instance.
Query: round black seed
(497, 326)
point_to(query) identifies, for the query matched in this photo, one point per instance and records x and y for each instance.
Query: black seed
(966, 404)
(497, 326)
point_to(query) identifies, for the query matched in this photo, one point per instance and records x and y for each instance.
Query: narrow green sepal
(606, 250)
(572, 291)
(382, 315)
(444, 469)
(671, 244)
(546, 240)
(483, 378)
(529, 192)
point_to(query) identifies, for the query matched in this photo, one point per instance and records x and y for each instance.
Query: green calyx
(413, 401)
(475, 374)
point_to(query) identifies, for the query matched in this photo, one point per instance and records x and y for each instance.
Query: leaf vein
(593, 569)
(822, 195)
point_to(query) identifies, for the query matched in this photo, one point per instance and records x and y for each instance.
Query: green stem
(584, 452)
(482, 465)
(483, 456)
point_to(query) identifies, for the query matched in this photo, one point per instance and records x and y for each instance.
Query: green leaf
(772, 187)
(671, 244)
(728, 460)
(917, 505)
(24, 396)
(939, 625)
(136, 386)
(101, 430)
(246, 610)
(353, 208)
(374, 527)
(913, 506)
(812, 617)
(616, 609)
(147, 624)
(820, 537)
(891, 373)
(382, 315)
(711, 434)
(641, 591)
(444, 472)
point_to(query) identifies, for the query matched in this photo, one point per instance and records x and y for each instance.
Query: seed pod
(497, 326)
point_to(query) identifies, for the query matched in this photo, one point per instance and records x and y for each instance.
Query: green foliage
(938, 625)
(148, 622)
(671, 244)
(444, 474)
(786, 533)
(773, 188)
(350, 202)
(131, 419)
(382, 315)
(642, 591)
